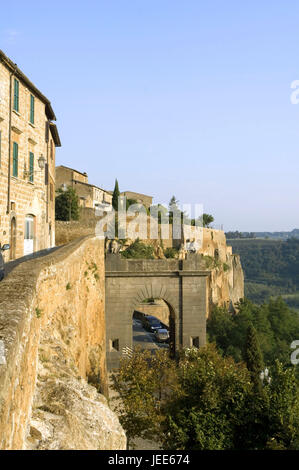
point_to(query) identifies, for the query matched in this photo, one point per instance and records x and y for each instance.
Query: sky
(188, 98)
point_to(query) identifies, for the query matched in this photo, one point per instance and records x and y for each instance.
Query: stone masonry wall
(26, 197)
(52, 327)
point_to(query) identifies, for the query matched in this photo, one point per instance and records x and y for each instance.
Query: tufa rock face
(70, 414)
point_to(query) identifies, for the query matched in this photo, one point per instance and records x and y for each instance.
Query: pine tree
(253, 356)
(115, 196)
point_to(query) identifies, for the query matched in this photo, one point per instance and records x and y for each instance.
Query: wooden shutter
(15, 159)
(32, 109)
(16, 95)
(31, 167)
(47, 131)
(46, 173)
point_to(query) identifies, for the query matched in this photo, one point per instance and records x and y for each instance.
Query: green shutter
(31, 167)
(15, 159)
(32, 109)
(16, 95)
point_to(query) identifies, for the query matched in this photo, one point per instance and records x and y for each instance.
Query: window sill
(30, 124)
(16, 112)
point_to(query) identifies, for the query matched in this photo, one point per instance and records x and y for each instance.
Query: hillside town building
(140, 198)
(28, 139)
(90, 196)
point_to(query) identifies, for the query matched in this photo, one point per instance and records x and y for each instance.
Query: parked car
(162, 335)
(151, 323)
(2, 272)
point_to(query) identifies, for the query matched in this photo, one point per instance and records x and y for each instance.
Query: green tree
(253, 356)
(207, 219)
(115, 196)
(283, 393)
(204, 411)
(67, 205)
(143, 383)
(275, 323)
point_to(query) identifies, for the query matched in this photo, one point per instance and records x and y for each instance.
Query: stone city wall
(52, 331)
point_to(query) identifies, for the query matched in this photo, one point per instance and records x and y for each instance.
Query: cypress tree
(253, 356)
(115, 196)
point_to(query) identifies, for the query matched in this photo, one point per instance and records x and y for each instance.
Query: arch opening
(154, 325)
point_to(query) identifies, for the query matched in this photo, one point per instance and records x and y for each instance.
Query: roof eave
(55, 134)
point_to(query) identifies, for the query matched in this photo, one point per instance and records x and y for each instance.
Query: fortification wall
(52, 327)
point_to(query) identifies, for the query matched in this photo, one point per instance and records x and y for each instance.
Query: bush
(139, 250)
(170, 253)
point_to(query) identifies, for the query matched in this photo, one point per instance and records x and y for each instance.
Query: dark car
(3, 248)
(151, 323)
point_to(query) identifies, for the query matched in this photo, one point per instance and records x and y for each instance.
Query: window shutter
(46, 173)
(16, 95)
(32, 109)
(15, 159)
(31, 167)
(47, 131)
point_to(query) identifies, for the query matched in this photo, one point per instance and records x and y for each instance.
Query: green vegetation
(144, 382)
(206, 401)
(68, 286)
(170, 252)
(275, 323)
(115, 196)
(207, 219)
(138, 250)
(271, 268)
(67, 205)
(38, 312)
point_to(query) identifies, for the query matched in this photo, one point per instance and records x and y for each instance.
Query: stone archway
(172, 316)
(181, 284)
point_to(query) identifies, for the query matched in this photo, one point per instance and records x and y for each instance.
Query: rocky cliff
(52, 370)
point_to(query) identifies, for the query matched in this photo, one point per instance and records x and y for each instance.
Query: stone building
(143, 199)
(89, 195)
(28, 139)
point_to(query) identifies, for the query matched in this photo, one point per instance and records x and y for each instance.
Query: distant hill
(272, 235)
(271, 267)
(279, 235)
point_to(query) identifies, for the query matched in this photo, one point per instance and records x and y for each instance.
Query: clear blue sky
(190, 98)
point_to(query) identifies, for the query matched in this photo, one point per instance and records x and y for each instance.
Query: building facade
(28, 140)
(143, 199)
(89, 195)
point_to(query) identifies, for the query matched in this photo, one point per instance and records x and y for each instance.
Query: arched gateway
(181, 283)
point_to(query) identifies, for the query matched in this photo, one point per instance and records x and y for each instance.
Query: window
(16, 95)
(115, 345)
(32, 109)
(31, 167)
(51, 192)
(15, 159)
(51, 150)
(195, 341)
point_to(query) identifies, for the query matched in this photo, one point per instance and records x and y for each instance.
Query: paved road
(145, 339)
